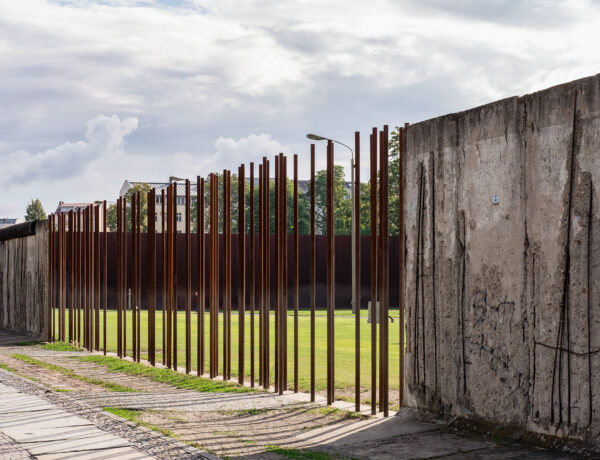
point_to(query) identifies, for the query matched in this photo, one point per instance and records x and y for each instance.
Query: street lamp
(316, 137)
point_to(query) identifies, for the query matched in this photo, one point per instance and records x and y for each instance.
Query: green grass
(133, 416)
(69, 373)
(16, 372)
(60, 346)
(297, 454)
(344, 345)
(184, 381)
(26, 343)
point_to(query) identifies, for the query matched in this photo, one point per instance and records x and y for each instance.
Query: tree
(111, 212)
(35, 211)
(342, 202)
(394, 181)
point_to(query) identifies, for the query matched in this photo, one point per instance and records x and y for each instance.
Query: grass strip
(168, 376)
(297, 454)
(60, 346)
(33, 379)
(69, 373)
(133, 416)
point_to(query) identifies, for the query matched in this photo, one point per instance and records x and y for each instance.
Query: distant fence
(268, 275)
(343, 274)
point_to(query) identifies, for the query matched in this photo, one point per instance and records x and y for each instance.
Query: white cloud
(104, 136)
(192, 71)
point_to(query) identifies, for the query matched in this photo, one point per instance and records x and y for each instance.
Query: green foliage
(35, 211)
(111, 212)
(342, 202)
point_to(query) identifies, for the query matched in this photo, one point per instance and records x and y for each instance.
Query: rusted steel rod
(214, 276)
(51, 277)
(169, 256)
(119, 279)
(241, 273)
(267, 249)
(151, 265)
(384, 271)
(285, 271)
(374, 309)
(261, 277)
(313, 271)
(138, 333)
(97, 277)
(78, 274)
(135, 269)
(278, 347)
(125, 274)
(356, 248)
(227, 274)
(296, 274)
(175, 276)
(188, 284)
(163, 253)
(201, 277)
(105, 269)
(330, 275)
(71, 244)
(252, 276)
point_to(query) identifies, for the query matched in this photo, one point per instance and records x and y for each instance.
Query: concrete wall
(24, 283)
(503, 300)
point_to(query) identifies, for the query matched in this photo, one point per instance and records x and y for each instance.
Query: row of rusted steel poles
(78, 261)
(78, 257)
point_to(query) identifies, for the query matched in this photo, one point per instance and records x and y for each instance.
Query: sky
(93, 92)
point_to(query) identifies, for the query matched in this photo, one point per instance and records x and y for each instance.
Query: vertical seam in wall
(589, 320)
(433, 281)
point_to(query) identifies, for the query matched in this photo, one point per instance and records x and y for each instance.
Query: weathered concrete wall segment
(24, 283)
(503, 299)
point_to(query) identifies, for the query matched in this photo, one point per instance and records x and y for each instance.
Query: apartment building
(160, 187)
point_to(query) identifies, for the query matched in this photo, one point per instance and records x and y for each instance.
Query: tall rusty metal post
(51, 277)
(384, 271)
(214, 276)
(163, 253)
(169, 257)
(125, 274)
(97, 278)
(135, 269)
(296, 274)
(105, 269)
(374, 309)
(188, 283)
(227, 275)
(261, 277)
(241, 296)
(119, 279)
(330, 275)
(278, 373)
(252, 276)
(201, 277)
(313, 271)
(357, 290)
(151, 265)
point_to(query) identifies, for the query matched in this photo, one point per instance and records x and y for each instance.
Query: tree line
(342, 202)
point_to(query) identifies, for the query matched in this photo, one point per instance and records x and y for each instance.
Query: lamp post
(316, 137)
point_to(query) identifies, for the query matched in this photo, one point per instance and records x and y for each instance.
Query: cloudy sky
(96, 91)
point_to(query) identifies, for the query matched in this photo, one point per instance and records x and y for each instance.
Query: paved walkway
(36, 420)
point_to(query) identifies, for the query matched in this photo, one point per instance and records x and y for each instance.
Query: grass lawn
(344, 345)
